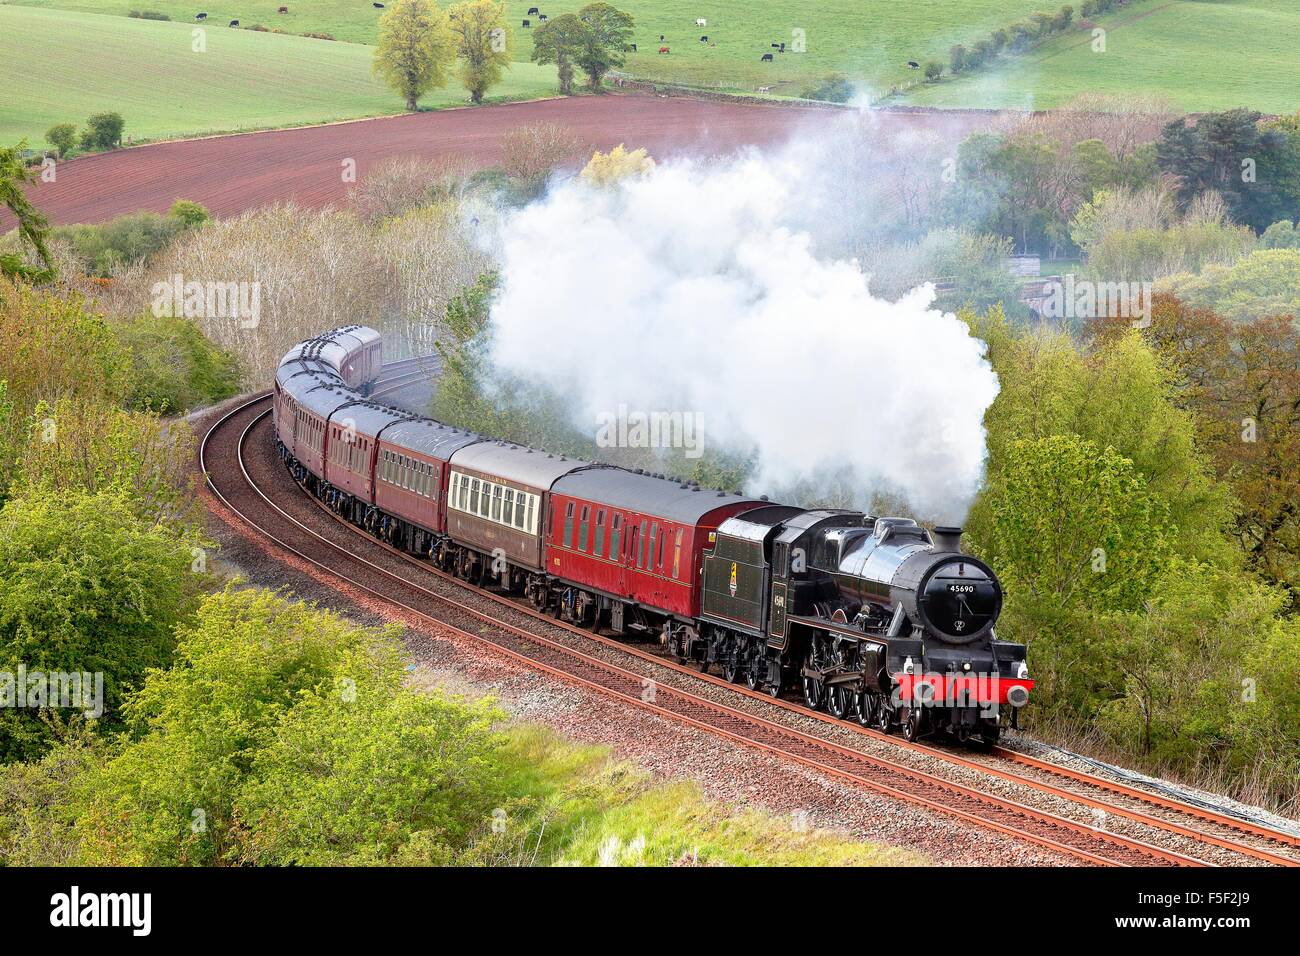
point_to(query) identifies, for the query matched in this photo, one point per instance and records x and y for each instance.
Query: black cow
(234, 23)
(629, 48)
(532, 10)
(377, 6)
(200, 16)
(527, 24)
(776, 46)
(704, 39)
(661, 38)
(283, 10)
(913, 65)
(541, 18)
(767, 58)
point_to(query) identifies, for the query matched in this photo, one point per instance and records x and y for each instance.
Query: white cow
(701, 22)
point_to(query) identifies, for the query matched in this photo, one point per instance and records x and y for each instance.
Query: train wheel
(839, 702)
(911, 719)
(753, 679)
(731, 669)
(774, 688)
(884, 715)
(866, 708)
(814, 692)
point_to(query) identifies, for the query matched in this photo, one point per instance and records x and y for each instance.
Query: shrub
(128, 239)
(103, 131)
(317, 36)
(63, 137)
(189, 212)
(834, 89)
(174, 367)
(933, 70)
(148, 15)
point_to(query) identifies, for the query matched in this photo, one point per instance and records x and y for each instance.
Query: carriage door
(780, 578)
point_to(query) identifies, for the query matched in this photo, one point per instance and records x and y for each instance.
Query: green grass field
(871, 39)
(1200, 54)
(61, 66)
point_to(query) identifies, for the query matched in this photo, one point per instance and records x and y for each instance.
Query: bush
(189, 212)
(834, 89)
(1281, 235)
(128, 239)
(103, 131)
(63, 137)
(317, 36)
(933, 70)
(174, 367)
(148, 15)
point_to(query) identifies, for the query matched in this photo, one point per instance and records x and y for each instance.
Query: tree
(561, 41)
(189, 212)
(530, 153)
(482, 44)
(86, 586)
(604, 169)
(62, 137)
(414, 49)
(609, 31)
(933, 70)
(33, 228)
(103, 131)
(1256, 168)
(957, 58)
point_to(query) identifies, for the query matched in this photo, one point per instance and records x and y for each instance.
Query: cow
(782, 50)
(377, 6)
(234, 23)
(629, 48)
(913, 65)
(527, 24)
(776, 46)
(541, 18)
(532, 11)
(200, 16)
(662, 38)
(767, 58)
(663, 49)
(701, 22)
(704, 39)
(283, 10)
(765, 89)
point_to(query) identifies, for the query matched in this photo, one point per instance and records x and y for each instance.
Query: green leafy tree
(384, 777)
(414, 50)
(86, 586)
(1256, 168)
(103, 131)
(189, 212)
(33, 228)
(63, 137)
(562, 41)
(482, 44)
(609, 30)
(1076, 524)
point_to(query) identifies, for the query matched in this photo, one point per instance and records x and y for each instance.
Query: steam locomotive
(873, 618)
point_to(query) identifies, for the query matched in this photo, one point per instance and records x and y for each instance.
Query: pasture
(61, 66)
(867, 39)
(1201, 55)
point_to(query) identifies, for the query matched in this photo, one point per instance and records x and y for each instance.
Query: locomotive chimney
(946, 539)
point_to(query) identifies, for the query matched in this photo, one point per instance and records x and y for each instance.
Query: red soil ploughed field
(230, 174)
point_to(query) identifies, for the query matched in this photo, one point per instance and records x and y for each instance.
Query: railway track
(1086, 842)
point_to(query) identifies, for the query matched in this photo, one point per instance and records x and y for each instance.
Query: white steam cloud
(699, 289)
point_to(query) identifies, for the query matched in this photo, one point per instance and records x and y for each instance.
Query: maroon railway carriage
(634, 543)
(351, 438)
(495, 499)
(411, 475)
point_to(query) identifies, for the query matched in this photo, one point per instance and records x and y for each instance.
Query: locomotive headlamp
(1022, 670)
(966, 666)
(909, 667)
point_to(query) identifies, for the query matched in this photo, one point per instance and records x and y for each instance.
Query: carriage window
(496, 502)
(654, 538)
(616, 537)
(632, 540)
(583, 543)
(473, 495)
(599, 549)
(508, 507)
(640, 545)
(677, 555)
(519, 510)
(485, 503)
(659, 554)
(531, 524)
(568, 525)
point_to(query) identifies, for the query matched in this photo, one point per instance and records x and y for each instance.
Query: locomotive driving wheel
(884, 714)
(839, 702)
(912, 720)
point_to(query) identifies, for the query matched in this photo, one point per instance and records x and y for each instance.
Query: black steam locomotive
(875, 618)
